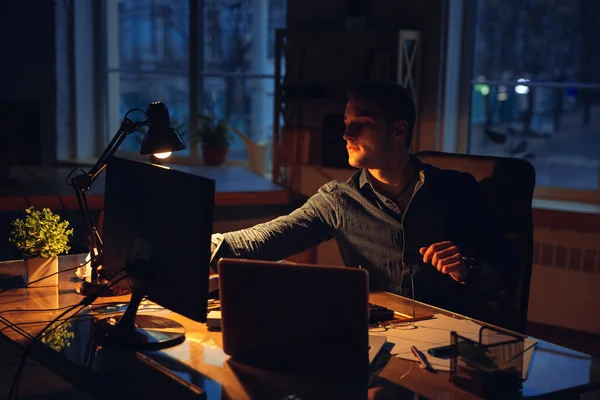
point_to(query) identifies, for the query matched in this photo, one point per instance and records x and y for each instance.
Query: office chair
(507, 184)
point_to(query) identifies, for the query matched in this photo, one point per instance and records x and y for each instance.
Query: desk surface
(43, 185)
(200, 361)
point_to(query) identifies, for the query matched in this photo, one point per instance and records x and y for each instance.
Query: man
(409, 224)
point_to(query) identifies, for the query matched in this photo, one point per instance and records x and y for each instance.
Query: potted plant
(214, 136)
(41, 236)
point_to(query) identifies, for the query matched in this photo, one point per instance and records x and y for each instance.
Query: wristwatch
(473, 268)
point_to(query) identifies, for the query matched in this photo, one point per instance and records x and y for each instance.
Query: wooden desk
(42, 186)
(554, 369)
(200, 362)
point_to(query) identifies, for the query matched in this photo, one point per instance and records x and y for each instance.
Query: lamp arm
(83, 183)
(127, 127)
(92, 236)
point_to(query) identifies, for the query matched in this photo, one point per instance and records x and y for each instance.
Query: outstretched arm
(282, 237)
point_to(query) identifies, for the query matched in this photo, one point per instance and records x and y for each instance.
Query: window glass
(536, 87)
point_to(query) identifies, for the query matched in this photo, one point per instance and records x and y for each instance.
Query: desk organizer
(490, 367)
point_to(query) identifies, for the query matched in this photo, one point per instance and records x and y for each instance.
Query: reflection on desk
(199, 362)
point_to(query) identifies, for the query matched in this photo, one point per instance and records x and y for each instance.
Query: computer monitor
(157, 228)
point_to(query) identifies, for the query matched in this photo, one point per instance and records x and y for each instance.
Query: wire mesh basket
(490, 367)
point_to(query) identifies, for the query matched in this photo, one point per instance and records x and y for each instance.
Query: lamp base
(101, 289)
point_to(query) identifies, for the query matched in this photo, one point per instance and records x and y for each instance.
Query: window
(535, 89)
(149, 52)
(148, 59)
(238, 74)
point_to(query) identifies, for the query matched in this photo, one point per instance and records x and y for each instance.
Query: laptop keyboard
(379, 313)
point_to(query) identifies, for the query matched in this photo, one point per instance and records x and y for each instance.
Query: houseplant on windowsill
(41, 236)
(214, 136)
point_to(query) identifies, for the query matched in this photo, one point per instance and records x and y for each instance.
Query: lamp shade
(161, 137)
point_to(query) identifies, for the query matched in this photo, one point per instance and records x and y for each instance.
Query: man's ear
(400, 127)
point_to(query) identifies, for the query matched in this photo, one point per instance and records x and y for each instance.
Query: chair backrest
(508, 185)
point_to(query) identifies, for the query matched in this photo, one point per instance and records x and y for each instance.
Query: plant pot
(214, 155)
(37, 268)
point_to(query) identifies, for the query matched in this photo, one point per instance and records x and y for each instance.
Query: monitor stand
(102, 288)
(138, 332)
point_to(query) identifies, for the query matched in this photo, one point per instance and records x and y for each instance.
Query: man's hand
(446, 257)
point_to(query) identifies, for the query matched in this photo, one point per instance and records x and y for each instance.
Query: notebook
(311, 318)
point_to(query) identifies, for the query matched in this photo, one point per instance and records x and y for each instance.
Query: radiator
(565, 280)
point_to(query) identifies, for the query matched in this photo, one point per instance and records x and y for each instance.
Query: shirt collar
(422, 168)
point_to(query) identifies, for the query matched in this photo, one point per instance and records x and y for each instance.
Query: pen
(417, 318)
(422, 359)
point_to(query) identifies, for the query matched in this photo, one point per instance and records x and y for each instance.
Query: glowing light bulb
(162, 155)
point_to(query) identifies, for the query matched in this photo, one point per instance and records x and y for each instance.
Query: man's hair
(391, 99)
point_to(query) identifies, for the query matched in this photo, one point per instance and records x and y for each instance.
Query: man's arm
(493, 252)
(284, 236)
(493, 265)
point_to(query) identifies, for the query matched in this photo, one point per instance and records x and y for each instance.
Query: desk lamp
(160, 140)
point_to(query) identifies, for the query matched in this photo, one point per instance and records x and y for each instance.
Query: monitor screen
(158, 224)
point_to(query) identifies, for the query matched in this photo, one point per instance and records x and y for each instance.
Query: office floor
(580, 341)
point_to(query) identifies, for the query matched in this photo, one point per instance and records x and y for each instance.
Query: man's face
(370, 140)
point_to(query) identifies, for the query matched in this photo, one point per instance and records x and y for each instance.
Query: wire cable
(84, 316)
(88, 300)
(16, 381)
(111, 303)
(45, 277)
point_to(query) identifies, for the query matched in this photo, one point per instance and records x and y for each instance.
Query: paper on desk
(435, 333)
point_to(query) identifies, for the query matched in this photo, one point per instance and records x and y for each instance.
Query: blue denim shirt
(373, 233)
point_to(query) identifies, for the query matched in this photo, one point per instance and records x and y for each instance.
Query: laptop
(303, 317)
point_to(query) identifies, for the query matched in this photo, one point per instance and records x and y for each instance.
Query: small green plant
(59, 336)
(41, 233)
(213, 132)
